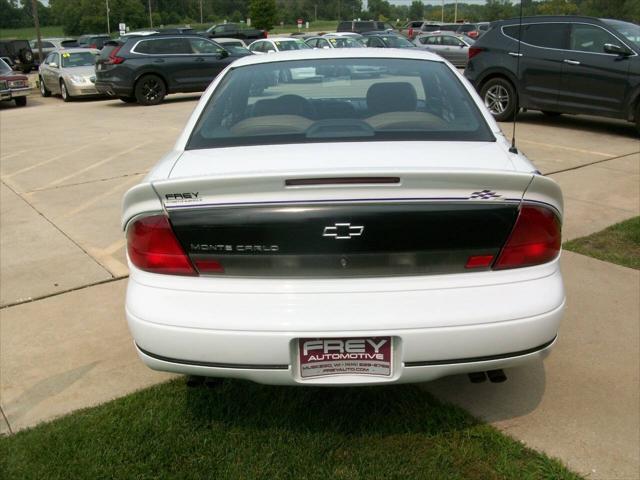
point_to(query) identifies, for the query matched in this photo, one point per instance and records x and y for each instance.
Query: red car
(12, 86)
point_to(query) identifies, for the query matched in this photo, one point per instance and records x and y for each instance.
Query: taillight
(113, 58)
(535, 239)
(265, 34)
(152, 246)
(473, 51)
(93, 45)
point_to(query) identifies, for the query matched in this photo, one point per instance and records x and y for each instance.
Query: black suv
(568, 64)
(147, 68)
(357, 26)
(17, 54)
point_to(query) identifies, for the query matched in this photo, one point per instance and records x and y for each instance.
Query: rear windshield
(335, 100)
(80, 59)
(345, 42)
(284, 45)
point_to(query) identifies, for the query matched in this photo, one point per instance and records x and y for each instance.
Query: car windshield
(631, 31)
(344, 42)
(284, 45)
(395, 41)
(331, 100)
(4, 68)
(79, 59)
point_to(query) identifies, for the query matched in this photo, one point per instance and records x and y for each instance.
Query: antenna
(513, 148)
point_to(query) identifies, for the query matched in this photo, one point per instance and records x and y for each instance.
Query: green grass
(319, 26)
(30, 33)
(619, 244)
(245, 431)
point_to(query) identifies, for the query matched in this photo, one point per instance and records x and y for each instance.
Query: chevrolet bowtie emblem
(343, 231)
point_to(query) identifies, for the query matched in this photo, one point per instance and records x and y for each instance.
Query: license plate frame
(367, 356)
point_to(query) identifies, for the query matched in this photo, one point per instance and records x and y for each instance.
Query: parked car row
(13, 87)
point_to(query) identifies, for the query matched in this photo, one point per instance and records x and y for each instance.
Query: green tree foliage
(263, 13)
(416, 10)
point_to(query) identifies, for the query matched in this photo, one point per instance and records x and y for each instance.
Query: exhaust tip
(477, 377)
(496, 376)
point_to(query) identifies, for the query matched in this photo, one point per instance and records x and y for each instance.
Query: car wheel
(500, 98)
(551, 114)
(64, 93)
(44, 91)
(128, 99)
(150, 90)
(20, 101)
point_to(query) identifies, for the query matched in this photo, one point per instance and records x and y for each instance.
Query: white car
(285, 44)
(295, 236)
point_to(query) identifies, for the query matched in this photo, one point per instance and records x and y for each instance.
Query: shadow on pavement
(580, 122)
(167, 101)
(518, 396)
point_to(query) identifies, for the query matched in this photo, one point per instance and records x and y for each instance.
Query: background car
(48, 46)
(471, 30)
(235, 46)
(335, 41)
(96, 41)
(358, 26)
(69, 72)
(567, 64)
(277, 44)
(453, 47)
(234, 30)
(12, 86)
(411, 29)
(146, 69)
(17, 54)
(386, 40)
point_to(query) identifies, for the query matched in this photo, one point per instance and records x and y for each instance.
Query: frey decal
(345, 356)
(184, 197)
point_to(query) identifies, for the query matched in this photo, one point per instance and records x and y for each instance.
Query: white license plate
(321, 357)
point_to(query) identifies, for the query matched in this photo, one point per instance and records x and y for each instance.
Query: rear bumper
(436, 331)
(112, 89)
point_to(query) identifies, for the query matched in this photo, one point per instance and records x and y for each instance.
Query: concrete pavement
(61, 200)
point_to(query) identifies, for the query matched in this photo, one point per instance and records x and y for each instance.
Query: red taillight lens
(93, 45)
(479, 261)
(209, 266)
(473, 34)
(113, 58)
(153, 247)
(473, 51)
(535, 239)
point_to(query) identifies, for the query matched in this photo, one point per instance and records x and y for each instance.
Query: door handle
(515, 54)
(571, 62)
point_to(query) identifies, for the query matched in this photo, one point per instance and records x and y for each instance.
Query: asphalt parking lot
(63, 339)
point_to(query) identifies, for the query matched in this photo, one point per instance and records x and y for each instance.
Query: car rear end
(115, 77)
(352, 263)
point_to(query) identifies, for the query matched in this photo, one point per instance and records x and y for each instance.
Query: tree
(416, 10)
(263, 13)
(557, 7)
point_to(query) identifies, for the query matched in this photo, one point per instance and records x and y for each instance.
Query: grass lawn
(30, 33)
(246, 431)
(619, 243)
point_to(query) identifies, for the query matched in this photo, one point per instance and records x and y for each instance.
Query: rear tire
(20, 101)
(150, 90)
(128, 99)
(500, 97)
(64, 93)
(44, 91)
(551, 114)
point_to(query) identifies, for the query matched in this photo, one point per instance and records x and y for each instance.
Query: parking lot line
(14, 154)
(98, 198)
(562, 147)
(95, 165)
(44, 162)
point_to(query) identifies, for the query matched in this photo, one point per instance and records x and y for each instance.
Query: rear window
(547, 35)
(291, 45)
(337, 100)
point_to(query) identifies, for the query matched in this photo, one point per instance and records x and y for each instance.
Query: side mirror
(326, 48)
(271, 51)
(615, 49)
(53, 65)
(223, 54)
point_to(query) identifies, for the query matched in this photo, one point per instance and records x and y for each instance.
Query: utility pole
(150, 16)
(315, 16)
(442, 20)
(455, 13)
(36, 20)
(201, 18)
(108, 24)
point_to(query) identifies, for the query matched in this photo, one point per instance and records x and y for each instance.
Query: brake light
(479, 261)
(473, 51)
(153, 247)
(113, 58)
(535, 239)
(92, 45)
